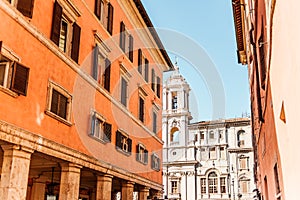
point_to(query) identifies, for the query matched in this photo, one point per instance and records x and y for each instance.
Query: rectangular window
(203, 154)
(154, 121)
(211, 135)
(212, 153)
(24, 6)
(13, 75)
(266, 188)
(60, 31)
(141, 109)
(174, 187)
(126, 41)
(123, 91)
(155, 162)
(146, 74)
(140, 61)
(276, 179)
(142, 154)
(99, 9)
(223, 184)
(262, 57)
(59, 103)
(243, 163)
(110, 17)
(158, 87)
(100, 129)
(123, 142)
(201, 135)
(222, 153)
(203, 185)
(174, 100)
(244, 186)
(196, 137)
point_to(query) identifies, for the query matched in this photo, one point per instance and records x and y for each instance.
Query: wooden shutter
(75, 42)
(146, 156)
(153, 80)
(123, 91)
(140, 61)
(158, 87)
(26, 7)
(107, 132)
(146, 75)
(107, 74)
(122, 36)
(141, 109)
(93, 124)
(98, 9)
(110, 18)
(129, 145)
(131, 48)
(63, 103)
(138, 152)
(118, 139)
(261, 44)
(152, 161)
(95, 63)
(56, 23)
(54, 101)
(154, 122)
(20, 77)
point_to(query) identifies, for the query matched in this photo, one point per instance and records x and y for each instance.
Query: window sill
(49, 113)
(144, 163)
(156, 169)
(123, 152)
(99, 139)
(9, 92)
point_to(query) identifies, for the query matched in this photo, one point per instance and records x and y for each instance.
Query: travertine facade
(212, 159)
(80, 93)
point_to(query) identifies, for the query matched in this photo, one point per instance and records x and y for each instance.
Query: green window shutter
(158, 87)
(146, 156)
(146, 75)
(129, 145)
(118, 139)
(97, 10)
(122, 36)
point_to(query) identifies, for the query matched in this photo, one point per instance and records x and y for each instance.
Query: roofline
(153, 32)
(238, 10)
(221, 122)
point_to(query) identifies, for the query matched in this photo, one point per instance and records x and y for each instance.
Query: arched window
(240, 138)
(174, 136)
(212, 183)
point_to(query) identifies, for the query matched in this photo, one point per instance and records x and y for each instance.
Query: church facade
(207, 159)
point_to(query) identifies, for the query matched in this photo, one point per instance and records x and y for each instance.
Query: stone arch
(174, 134)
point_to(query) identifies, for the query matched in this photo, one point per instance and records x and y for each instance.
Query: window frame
(141, 154)
(155, 162)
(104, 126)
(54, 86)
(212, 183)
(15, 74)
(203, 185)
(123, 142)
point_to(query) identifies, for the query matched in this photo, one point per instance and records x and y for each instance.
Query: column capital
(7, 147)
(128, 184)
(70, 167)
(105, 178)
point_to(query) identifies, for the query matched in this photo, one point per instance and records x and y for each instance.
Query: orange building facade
(80, 94)
(268, 43)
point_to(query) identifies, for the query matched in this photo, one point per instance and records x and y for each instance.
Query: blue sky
(209, 24)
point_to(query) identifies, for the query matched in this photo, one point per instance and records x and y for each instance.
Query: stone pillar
(104, 185)
(69, 181)
(143, 193)
(127, 190)
(38, 189)
(15, 170)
